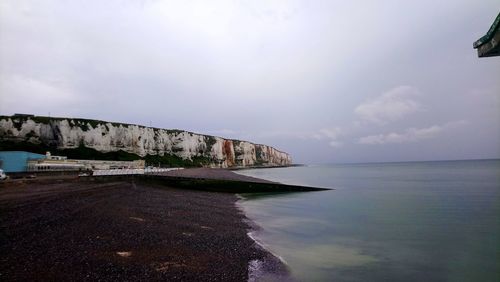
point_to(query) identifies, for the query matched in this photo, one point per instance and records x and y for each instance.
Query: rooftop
(489, 44)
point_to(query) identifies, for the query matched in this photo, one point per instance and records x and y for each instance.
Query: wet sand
(124, 230)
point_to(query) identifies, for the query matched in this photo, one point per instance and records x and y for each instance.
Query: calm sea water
(419, 221)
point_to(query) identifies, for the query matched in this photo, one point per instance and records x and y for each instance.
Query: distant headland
(95, 139)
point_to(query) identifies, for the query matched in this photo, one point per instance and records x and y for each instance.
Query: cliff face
(67, 133)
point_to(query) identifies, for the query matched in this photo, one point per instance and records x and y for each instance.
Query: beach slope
(123, 230)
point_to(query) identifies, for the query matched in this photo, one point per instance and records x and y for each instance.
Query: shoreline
(272, 267)
(255, 229)
(60, 229)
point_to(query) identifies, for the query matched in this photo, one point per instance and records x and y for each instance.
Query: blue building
(16, 161)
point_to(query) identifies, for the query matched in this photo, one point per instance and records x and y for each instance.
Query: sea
(408, 221)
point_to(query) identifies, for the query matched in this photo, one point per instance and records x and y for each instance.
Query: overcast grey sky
(327, 81)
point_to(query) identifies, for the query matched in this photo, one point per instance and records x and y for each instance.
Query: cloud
(390, 106)
(332, 134)
(28, 94)
(335, 144)
(409, 135)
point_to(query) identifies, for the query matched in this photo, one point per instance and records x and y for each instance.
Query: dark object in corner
(489, 44)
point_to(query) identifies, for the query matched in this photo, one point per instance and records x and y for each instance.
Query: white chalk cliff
(68, 133)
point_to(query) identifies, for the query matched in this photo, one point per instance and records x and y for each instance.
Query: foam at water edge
(263, 246)
(256, 268)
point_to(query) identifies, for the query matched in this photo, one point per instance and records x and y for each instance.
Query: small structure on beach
(489, 44)
(53, 163)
